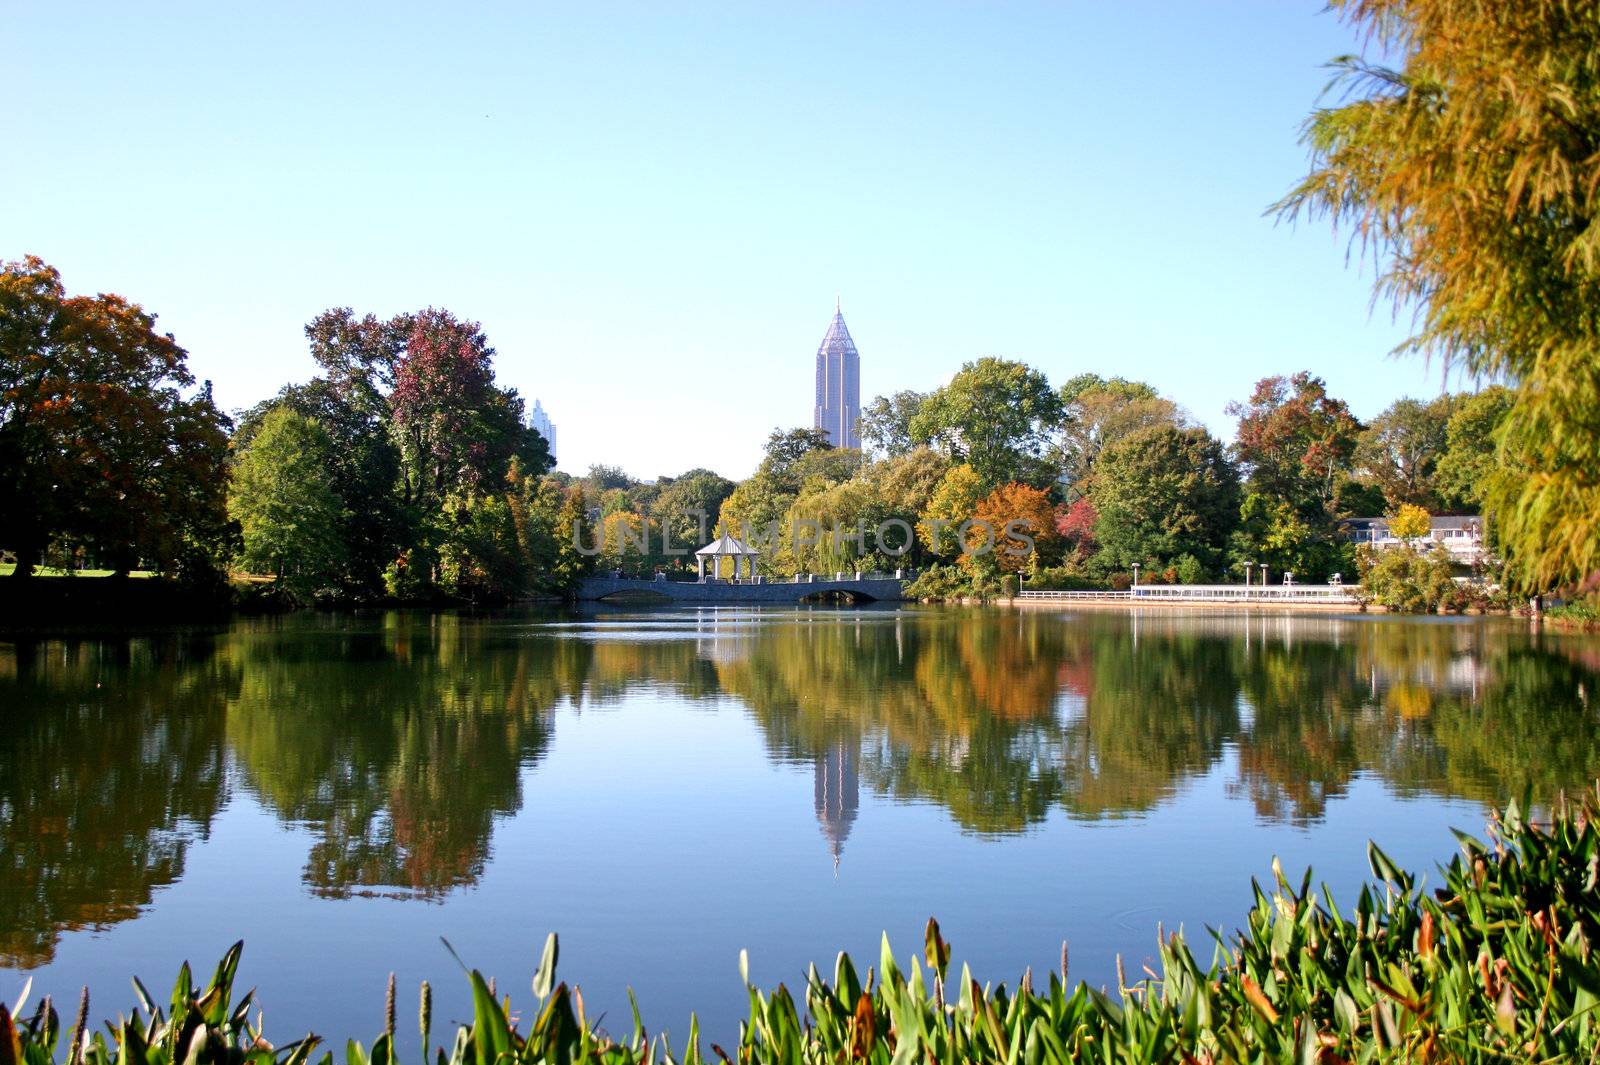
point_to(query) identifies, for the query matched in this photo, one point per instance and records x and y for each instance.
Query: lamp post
(1247, 568)
(1263, 575)
(1136, 574)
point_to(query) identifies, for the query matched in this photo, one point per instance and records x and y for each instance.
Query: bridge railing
(803, 578)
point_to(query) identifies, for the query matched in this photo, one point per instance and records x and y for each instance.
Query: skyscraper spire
(838, 405)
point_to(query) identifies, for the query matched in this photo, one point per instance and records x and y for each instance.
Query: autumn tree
(1075, 524)
(365, 351)
(1023, 522)
(105, 443)
(455, 428)
(1410, 522)
(283, 498)
(996, 416)
(954, 503)
(1471, 173)
(573, 531)
(1294, 441)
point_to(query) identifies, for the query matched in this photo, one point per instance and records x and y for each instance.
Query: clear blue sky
(651, 210)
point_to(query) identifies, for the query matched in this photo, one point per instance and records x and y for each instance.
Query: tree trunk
(27, 559)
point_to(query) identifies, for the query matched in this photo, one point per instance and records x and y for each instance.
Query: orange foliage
(1017, 512)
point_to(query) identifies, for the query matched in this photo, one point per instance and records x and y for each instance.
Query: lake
(665, 787)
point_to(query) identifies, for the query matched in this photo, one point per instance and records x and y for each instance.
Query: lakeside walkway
(1321, 595)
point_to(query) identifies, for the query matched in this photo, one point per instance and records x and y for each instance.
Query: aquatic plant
(1495, 965)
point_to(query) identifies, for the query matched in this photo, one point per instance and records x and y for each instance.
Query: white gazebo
(726, 546)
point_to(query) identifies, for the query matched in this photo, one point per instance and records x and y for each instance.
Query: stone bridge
(866, 588)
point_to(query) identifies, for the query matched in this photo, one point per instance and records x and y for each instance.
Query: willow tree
(1470, 171)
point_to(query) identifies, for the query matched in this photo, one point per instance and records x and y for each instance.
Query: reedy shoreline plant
(1496, 965)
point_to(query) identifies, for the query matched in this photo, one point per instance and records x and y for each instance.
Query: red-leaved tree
(1294, 440)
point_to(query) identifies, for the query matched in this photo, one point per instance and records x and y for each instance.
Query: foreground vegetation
(1496, 964)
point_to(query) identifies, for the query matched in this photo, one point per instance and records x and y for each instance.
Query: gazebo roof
(726, 545)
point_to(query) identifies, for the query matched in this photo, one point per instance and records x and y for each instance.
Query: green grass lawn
(7, 568)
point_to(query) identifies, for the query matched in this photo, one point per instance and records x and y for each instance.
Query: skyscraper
(837, 789)
(540, 421)
(838, 385)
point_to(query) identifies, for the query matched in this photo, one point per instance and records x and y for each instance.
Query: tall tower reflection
(838, 796)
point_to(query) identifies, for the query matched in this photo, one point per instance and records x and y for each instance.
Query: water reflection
(111, 766)
(397, 748)
(397, 743)
(838, 796)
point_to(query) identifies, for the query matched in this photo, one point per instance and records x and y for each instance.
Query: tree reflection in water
(111, 766)
(398, 742)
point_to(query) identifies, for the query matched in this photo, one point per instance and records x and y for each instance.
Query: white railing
(1214, 593)
(1047, 593)
(1317, 593)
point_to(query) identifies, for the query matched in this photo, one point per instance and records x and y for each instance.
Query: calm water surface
(666, 787)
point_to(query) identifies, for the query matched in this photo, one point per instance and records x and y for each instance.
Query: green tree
(282, 496)
(689, 508)
(1294, 441)
(102, 443)
(996, 416)
(833, 466)
(905, 485)
(480, 558)
(886, 423)
(364, 470)
(1163, 493)
(1469, 464)
(1272, 533)
(1472, 172)
(845, 515)
(1400, 451)
(754, 511)
(601, 479)
(785, 451)
(1408, 579)
(1097, 413)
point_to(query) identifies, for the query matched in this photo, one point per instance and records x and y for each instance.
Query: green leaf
(491, 1035)
(545, 978)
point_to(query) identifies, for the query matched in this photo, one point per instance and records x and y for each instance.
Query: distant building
(1461, 534)
(838, 406)
(540, 421)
